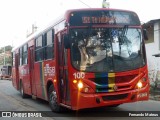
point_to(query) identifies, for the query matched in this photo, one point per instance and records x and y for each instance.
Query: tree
(7, 55)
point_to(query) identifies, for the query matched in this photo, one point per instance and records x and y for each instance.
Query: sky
(17, 16)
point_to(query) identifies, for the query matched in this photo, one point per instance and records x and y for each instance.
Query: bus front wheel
(52, 96)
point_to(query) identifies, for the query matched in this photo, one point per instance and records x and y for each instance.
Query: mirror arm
(145, 35)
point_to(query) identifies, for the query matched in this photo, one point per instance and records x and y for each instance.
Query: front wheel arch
(52, 98)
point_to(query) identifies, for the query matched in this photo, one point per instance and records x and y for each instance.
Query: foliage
(7, 48)
(8, 56)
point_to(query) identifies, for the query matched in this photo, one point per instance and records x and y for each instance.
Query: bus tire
(52, 97)
(22, 90)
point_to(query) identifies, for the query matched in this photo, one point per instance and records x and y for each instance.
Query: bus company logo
(6, 114)
(49, 71)
(115, 88)
(24, 71)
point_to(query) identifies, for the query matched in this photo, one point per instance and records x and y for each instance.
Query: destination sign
(105, 19)
(79, 18)
(98, 19)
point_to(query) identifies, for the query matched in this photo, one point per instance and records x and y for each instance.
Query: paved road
(10, 100)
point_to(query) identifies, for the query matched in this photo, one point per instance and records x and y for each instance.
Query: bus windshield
(106, 49)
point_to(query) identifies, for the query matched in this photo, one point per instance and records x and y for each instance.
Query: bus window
(25, 55)
(39, 49)
(20, 58)
(49, 45)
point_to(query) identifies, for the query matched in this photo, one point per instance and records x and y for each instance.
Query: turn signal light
(75, 81)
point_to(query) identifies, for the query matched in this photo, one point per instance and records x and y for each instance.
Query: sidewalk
(154, 95)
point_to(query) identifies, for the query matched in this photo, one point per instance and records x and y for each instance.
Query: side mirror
(66, 42)
(145, 35)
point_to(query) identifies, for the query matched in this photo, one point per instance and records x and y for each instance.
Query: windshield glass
(106, 49)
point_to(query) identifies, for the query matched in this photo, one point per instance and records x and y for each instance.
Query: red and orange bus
(88, 58)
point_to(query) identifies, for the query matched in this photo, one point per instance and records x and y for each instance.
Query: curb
(155, 97)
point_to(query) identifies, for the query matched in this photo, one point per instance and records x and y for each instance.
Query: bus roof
(65, 16)
(94, 9)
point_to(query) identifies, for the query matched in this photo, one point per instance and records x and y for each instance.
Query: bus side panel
(14, 82)
(31, 69)
(44, 71)
(26, 79)
(38, 78)
(49, 74)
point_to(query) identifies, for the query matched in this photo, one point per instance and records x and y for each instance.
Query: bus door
(63, 71)
(31, 70)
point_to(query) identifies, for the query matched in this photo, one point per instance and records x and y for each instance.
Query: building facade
(153, 49)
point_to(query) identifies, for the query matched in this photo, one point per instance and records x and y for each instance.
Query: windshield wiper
(122, 36)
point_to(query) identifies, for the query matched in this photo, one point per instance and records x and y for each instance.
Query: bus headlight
(80, 85)
(139, 84)
(142, 83)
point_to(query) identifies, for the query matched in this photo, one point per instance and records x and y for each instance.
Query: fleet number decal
(79, 75)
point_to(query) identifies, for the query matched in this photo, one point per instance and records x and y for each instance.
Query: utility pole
(105, 4)
(33, 30)
(84, 3)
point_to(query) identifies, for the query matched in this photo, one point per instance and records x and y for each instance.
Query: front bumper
(83, 100)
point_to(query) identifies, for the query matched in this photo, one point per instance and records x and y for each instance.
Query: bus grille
(114, 97)
(122, 82)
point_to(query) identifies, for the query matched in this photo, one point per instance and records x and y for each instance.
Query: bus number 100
(79, 75)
